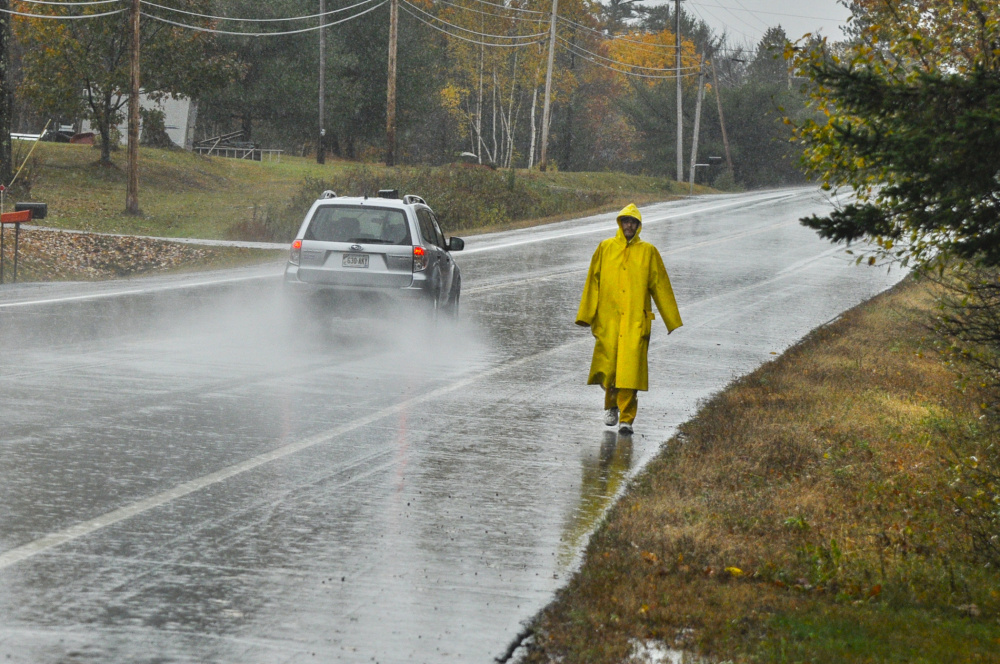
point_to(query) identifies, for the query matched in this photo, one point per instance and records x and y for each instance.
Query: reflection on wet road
(190, 472)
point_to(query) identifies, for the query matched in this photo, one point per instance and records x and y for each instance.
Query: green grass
(822, 633)
(180, 194)
(186, 195)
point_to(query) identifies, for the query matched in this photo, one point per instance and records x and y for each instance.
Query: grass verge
(806, 514)
(187, 195)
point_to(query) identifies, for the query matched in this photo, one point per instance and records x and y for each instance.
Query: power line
(754, 15)
(263, 34)
(572, 49)
(479, 11)
(734, 16)
(534, 37)
(604, 35)
(465, 39)
(759, 11)
(743, 34)
(579, 50)
(254, 20)
(621, 38)
(70, 4)
(61, 17)
(618, 62)
(513, 9)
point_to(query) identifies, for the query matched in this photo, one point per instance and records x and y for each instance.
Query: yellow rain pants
(626, 400)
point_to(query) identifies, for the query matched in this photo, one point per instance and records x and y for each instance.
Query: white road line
(543, 238)
(60, 537)
(604, 229)
(138, 291)
(582, 267)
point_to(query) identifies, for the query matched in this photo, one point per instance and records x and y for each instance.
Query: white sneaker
(611, 417)
(625, 429)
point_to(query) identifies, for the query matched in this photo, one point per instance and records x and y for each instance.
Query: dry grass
(803, 515)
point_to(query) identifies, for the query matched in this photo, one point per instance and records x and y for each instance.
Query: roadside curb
(242, 244)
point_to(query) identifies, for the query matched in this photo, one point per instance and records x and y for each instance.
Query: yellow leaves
(652, 50)
(452, 96)
(650, 557)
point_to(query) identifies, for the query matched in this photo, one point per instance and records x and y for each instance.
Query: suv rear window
(369, 225)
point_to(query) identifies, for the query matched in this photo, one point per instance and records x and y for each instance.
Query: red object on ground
(15, 217)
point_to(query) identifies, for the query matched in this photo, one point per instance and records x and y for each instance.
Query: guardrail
(251, 154)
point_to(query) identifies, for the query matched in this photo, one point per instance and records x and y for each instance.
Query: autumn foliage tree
(80, 67)
(912, 129)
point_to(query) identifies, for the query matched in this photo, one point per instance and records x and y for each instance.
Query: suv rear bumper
(419, 287)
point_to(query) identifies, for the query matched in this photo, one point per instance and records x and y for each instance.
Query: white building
(179, 116)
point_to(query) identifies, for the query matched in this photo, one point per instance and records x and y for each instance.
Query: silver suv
(353, 252)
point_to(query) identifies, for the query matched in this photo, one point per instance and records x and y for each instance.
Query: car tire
(452, 309)
(432, 307)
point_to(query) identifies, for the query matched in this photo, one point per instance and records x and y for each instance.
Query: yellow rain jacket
(623, 277)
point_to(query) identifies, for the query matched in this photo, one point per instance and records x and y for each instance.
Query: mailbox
(38, 210)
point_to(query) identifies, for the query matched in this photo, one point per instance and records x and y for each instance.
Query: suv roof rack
(409, 199)
(329, 193)
(388, 193)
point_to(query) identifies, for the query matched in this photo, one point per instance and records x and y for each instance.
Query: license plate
(355, 260)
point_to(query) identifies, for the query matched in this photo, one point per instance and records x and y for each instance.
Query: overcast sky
(746, 20)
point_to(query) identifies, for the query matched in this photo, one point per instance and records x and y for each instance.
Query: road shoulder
(804, 514)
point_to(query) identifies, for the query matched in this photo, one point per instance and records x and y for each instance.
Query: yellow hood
(629, 210)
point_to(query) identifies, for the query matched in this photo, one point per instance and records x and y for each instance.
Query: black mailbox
(38, 210)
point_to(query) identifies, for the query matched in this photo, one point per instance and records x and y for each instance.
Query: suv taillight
(419, 258)
(295, 253)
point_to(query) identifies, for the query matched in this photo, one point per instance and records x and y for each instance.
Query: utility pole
(6, 97)
(390, 110)
(543, 162)
(697, 121)
(321, 142)
(132, 187)
(722, 119)
(680, 105)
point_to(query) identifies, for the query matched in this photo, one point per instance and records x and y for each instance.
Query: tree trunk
(496, 155)
(104, 125)
(509, 157)
(534, 127)
(567, 138)
(479, 110)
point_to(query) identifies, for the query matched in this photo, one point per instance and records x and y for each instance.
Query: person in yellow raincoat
(625, 276)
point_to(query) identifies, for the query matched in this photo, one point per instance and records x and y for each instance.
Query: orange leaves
(652, 51)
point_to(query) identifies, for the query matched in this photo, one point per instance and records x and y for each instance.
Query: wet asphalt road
(189, 473)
